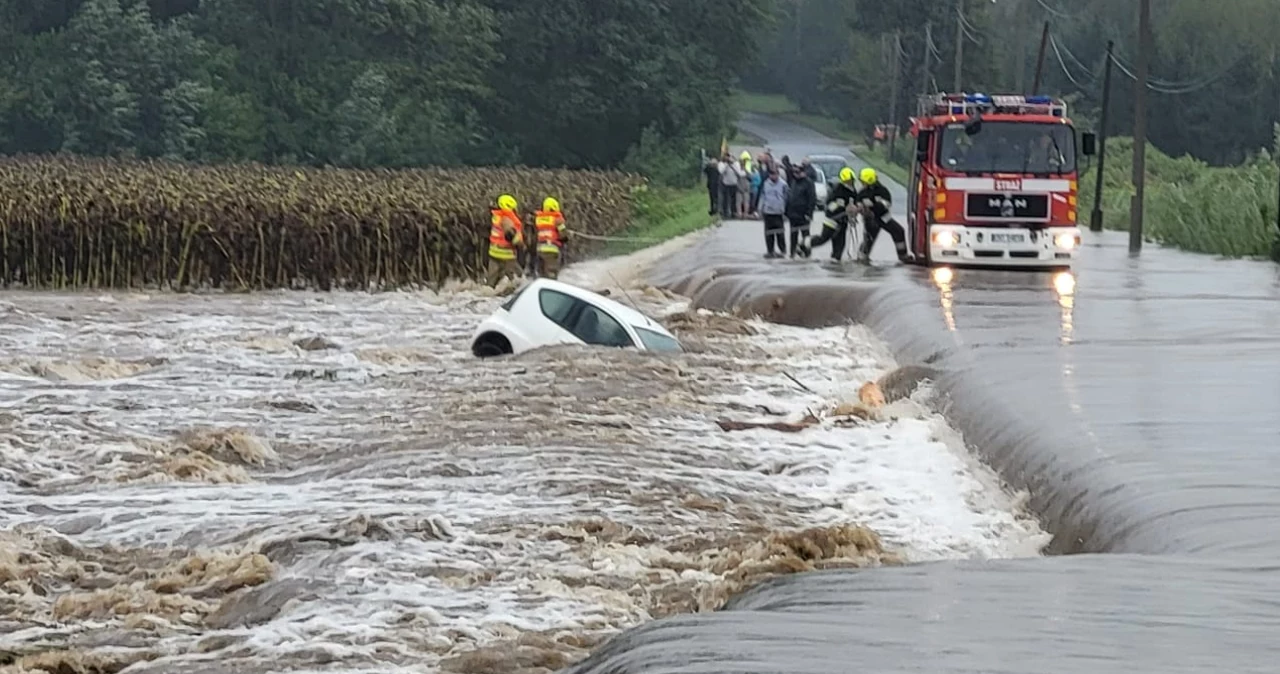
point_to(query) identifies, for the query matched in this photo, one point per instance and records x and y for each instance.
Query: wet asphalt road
(1153, 382)
(1139, 402)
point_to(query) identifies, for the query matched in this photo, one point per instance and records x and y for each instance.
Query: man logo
(1007, 205)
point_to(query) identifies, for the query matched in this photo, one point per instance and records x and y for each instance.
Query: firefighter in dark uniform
(874, 202)
(835, 227)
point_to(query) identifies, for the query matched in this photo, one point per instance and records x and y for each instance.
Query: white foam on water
(468, 481)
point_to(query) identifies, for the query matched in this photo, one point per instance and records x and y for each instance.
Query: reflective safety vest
(500, 248)
(550, 226)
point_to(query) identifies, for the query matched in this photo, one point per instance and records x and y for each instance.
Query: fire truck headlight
(1065, 241)
(946, 238)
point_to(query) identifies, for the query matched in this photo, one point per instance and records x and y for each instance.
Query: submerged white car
(547, 312)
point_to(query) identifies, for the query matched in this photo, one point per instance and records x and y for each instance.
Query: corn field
(74, 222)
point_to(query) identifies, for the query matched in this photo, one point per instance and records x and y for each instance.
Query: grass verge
(878, 158)
(662, 213)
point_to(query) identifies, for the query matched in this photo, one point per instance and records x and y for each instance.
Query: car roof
(618, 309)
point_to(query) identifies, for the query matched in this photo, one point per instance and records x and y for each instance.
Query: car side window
(557, 306)
(594, 326)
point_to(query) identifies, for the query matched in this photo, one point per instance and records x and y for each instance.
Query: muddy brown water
(1139, 402)
(294, 481)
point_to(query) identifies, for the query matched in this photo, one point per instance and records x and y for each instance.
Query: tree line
(637, 84)
(1214, 88)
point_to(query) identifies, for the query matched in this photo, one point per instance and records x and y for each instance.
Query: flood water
(1138, 400)
(331, 482)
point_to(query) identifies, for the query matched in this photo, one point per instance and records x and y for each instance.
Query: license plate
(1008, 238)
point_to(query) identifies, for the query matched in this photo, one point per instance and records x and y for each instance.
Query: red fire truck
(993, 183)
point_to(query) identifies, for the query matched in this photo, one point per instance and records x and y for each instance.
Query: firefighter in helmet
(835, 227)
(874, 202)
(506, 239)
(551, 237)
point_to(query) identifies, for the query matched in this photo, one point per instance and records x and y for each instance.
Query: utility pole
(798, 34)
(1044, 42)
(1140, 129)
(1095, 218)
(893, 100)
(1020, 75)
(959, 43)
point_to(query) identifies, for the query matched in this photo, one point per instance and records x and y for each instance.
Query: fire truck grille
(995, 206)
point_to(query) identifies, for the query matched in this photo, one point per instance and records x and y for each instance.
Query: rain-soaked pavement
(1138, 400)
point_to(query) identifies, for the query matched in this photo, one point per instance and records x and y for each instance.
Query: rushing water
(329, 481)
(1135, 400)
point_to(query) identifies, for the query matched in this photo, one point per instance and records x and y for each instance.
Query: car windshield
(656, 341)
(511, 301)
(1009, 147)
(830, 167)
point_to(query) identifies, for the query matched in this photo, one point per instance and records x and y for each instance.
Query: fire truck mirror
(922, 144)
(1088, 144)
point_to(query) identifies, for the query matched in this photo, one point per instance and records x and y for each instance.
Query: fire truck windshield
(1009, 147)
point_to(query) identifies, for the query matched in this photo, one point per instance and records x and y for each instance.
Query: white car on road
(829, 166)
(547, 312)
(820, 187)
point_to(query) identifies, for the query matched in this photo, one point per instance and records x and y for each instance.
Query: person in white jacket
(731, 172)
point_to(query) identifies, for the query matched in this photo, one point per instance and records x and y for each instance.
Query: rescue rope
(635, 239)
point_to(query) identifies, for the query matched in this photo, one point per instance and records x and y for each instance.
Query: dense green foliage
(1220, 210)
(833, 57)
(639, 84)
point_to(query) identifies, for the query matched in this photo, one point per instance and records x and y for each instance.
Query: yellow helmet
(551, 205)
(846, 175)
(868, 175)
(745, 156)
(507, 202)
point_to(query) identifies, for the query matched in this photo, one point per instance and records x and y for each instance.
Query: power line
(968, 28)
(965, 20)
(1184, 88)
(1153, 83)
(1079, 63)
(1053, 42)
(1190, 85)
(1054, 12)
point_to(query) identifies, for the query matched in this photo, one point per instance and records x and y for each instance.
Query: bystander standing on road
(809, 170)
(730, 172)
(711, 170)
(773, 206)
(758, 176)
(801, 202)
(764, 161)
(744, 184)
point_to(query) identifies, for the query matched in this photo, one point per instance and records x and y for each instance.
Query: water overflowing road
(307, 482)
(1135, 400)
